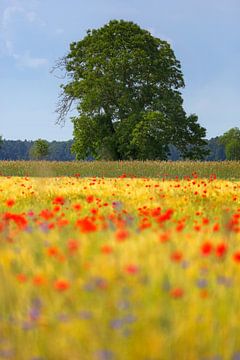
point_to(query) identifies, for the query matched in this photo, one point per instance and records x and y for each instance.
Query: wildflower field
(119, 268)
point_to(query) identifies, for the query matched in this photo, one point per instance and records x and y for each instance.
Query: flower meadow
(119, 268)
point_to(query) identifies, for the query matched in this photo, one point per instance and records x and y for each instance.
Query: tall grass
(154, 169)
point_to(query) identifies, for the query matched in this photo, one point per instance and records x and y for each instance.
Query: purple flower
(116, 324)
(85, 315)
(44, 228)
(236, 356)
(202, 283)
(104, 355)
(63, 318)
(117, 205)
(26, 325)
(6, 353)
(225, 281)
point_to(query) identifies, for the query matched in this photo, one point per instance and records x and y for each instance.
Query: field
(154, 169)
(120, 268)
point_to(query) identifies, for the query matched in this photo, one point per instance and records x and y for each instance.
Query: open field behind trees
(152, 169)
(120, 268)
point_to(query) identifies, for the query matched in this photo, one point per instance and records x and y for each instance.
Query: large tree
(125, 84)
(231, 142)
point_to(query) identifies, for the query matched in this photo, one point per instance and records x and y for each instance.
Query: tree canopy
(39, 150)
(126, 86)
(231, 142)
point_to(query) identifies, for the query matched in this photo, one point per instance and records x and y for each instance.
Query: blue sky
(204, 35)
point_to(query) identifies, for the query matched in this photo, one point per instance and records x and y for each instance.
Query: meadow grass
(153, 169)
(119, 268)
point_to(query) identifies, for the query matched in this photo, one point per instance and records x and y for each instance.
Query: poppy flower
(61, 285)
(53, 251)
(236, 256)
(77, 207)
(10, 202)
(216, 227)
(21, 278)
(38, 280)
(90, 198)
(121, 235)
(206, 248)
(86, 225)
(131, 269)
(221, 250)
(177, 293)
(59, 200)
(176, 256)
(73, 245)
(106, 249)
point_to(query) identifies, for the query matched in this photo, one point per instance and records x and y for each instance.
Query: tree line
(23, 150)
(61, 151)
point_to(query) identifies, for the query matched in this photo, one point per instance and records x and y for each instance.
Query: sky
(204, 35)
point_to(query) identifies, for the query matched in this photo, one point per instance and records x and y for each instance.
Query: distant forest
(61, 150)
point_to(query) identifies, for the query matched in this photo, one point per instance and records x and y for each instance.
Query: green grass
(153, 169)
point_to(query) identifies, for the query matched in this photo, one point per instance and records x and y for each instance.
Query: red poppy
(73, 245)
(221, 249)
(205, 221)
(77, 207)
(46, 214)
(206, 248)
(56, 208)
(177, 293)
(176, 256)
(10, 202)
(204, 294)
(236, 256)
(61, 285)
(131, 269)
(121, 235)
(86, 225)
(165, 216)
(53, 251)
(38, 280)
(59, 200)
(164, 237)
(216, 227)
(90, 198)
(21, 278)
(180, 226)
(106, 249)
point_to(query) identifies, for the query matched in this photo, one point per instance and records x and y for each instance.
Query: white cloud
(26, 60)
(12, 11)
(10, 14)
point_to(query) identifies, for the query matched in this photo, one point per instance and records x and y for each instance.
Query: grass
(120, 268)
(153, 169)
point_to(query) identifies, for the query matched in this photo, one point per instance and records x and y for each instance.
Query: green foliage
(231, 142)
(126, 84)
(39, 150)
(61, 150)
(149, 136)
(1, 141)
